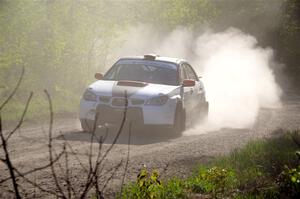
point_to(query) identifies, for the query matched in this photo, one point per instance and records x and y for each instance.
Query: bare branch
(112, 175)
(8, 162)
(50, 146)
(73, 152)
(58, 195)
(91, 144)
(95, 164)
(36, 185)
(119, 131)
(127, 159)
(67, 177)
(91, 176)
(35, 169)
(96, 184)
(96, 176)
(34, 188)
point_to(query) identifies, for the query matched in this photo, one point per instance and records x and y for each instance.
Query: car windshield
(156, 72)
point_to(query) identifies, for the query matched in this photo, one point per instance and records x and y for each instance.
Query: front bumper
(145, 115)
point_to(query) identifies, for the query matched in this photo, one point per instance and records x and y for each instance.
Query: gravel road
(172, 156)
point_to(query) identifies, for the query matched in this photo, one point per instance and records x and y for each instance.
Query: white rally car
(160, 91)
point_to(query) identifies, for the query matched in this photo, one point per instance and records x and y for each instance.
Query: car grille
(115, 115)
(122, 101)
(104, 99)
(137, 101)
(119, 102)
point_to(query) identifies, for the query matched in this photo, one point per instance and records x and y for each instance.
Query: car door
(195, 91)
(187, 91)
(199, 92)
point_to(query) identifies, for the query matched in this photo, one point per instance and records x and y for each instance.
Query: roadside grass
(264, 168)
(39, 108)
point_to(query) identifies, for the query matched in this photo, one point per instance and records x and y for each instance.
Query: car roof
(157, 58)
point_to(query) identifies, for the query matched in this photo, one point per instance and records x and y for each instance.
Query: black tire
(179, 121)
(87, 125)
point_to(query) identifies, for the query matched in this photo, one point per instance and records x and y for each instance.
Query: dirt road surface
(172, 156)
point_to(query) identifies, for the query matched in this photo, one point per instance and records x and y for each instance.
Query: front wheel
(87, 125)
(179, 121)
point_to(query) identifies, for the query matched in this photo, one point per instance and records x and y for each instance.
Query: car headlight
(89, 96)
(157, 101)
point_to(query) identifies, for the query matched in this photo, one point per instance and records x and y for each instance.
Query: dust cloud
(236, 71)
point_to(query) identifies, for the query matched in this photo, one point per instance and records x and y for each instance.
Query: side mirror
(188, 83)
(99, 76)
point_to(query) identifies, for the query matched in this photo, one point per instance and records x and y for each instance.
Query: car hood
(112, 88)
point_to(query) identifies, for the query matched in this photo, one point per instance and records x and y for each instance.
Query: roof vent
(150, 56)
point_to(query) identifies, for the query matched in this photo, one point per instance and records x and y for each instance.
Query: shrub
(147, 186)
(289, 182)
(217, 181)
(173, 189)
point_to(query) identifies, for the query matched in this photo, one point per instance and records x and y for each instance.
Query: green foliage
(217, 181)
(148, 186)
(289, 181)
(264, 156)
(173, 13)
(259, 163)
(255, 171)
(174, 188)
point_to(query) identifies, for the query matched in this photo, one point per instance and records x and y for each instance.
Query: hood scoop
(131, 83)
